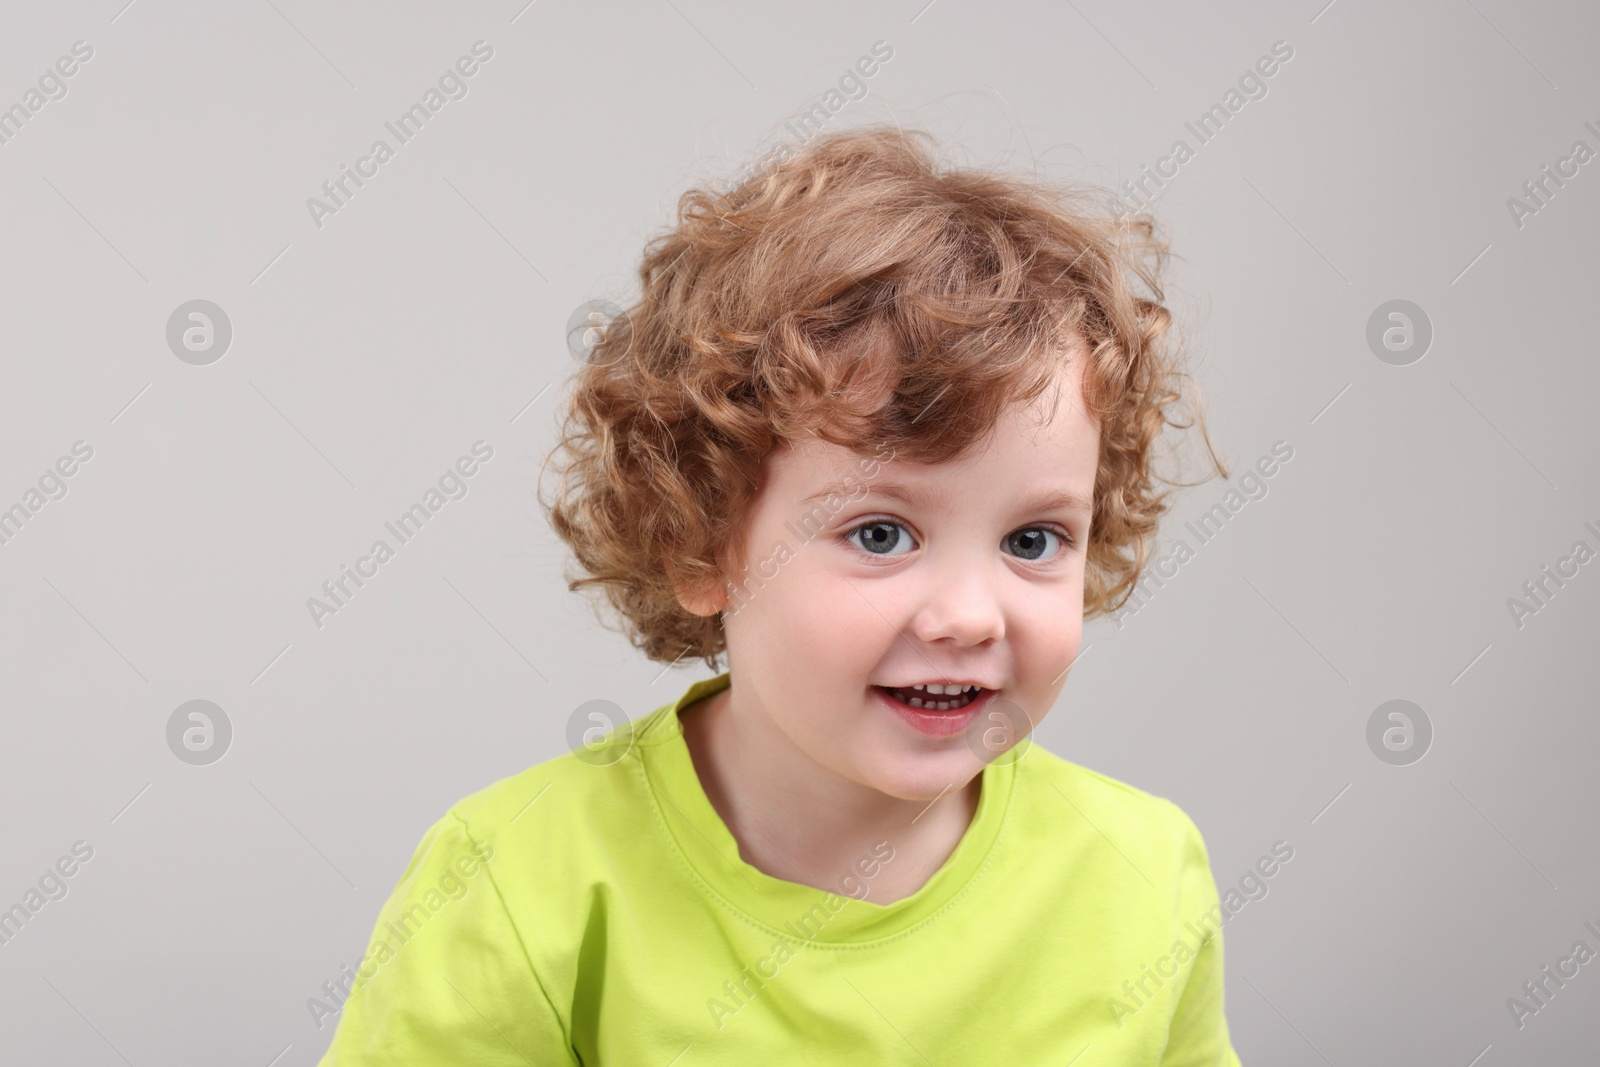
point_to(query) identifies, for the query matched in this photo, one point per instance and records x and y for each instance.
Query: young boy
(883, 433)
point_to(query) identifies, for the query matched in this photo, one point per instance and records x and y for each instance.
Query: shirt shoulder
(1153, 834)
(1117, 838)
(445, 958)
(601, 782)
(474, 955)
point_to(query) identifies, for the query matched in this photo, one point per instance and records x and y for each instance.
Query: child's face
(972, 582)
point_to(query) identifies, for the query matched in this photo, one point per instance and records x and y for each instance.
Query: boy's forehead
(812, 462)
(1051, 434)
(1054, 427)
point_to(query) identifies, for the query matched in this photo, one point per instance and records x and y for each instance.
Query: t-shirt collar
(789, 909)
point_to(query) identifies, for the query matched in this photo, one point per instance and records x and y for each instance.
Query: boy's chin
(922, 777)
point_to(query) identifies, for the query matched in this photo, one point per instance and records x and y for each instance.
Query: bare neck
(799, 821)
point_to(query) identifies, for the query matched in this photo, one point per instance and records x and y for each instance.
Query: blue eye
(1029, 543)
(880, 538)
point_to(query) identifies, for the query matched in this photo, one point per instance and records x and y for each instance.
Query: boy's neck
(796, 820)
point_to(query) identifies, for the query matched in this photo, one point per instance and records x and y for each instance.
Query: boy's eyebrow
(1047, 500)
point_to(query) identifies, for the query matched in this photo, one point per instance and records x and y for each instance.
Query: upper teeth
(939, 690)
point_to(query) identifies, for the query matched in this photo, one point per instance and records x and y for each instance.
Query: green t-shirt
(599, 913)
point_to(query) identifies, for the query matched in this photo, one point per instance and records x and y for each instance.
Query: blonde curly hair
(856, 291)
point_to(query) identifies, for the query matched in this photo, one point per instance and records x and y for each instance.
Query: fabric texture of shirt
(598, 912)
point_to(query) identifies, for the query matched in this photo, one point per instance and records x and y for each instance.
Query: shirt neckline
(788, 909)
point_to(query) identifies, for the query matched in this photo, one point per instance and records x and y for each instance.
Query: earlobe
(700, 602)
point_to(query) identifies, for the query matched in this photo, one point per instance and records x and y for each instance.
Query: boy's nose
(961, 604)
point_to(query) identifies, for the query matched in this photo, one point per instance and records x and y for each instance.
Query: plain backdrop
(373, 346)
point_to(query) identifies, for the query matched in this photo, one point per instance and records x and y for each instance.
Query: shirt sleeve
(446, 978)
(1198, 1033)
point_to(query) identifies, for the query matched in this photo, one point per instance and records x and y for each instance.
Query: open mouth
(923, 698)
(936, 714)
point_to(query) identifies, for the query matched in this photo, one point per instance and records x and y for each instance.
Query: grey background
(429, 313)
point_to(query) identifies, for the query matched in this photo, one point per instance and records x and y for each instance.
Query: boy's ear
(696, 601)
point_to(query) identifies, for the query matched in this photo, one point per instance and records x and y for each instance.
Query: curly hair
(856, 291)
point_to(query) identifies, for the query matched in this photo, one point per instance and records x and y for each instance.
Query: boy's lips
(950, 693)
(935, 723)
